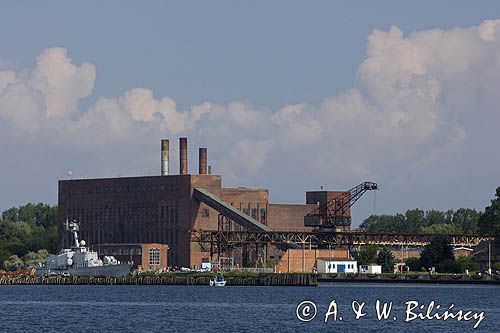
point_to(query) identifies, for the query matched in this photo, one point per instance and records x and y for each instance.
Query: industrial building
(144, 257)
(336, 265)
(166, 209)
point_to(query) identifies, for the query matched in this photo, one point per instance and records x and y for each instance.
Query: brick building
(145, 257)
(163, 209)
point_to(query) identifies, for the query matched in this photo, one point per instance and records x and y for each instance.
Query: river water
(242, 309)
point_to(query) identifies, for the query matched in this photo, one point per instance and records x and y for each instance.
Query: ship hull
(119, 270)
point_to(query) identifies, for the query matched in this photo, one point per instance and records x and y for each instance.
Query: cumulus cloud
(422, 101)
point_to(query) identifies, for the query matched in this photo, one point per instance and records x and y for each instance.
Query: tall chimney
(183, 167)
(164, 157)
(202, 160)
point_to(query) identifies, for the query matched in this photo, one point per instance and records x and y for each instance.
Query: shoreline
(410, 278)
(260, 279)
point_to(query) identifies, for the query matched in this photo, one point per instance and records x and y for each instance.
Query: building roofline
(335, 259)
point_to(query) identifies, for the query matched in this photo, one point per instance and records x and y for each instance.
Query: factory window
(154, 256)
(205, 212)
(262, 215)
(245, 211)
(254, 213)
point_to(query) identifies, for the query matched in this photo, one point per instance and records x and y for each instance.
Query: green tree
(13, 263)
(39, 214)
(26, 229)
(433, 217)
(442, 228)
(467, 219)
(489, 222)
(413, 264)
(34, 258)
(386, 260)
(366, 255)
(466, 263)
(384, 223)
(436, 252)
(414, 220)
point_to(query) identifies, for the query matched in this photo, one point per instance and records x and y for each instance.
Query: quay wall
(262, 279)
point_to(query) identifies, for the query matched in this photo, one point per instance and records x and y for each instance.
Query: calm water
(231, 309)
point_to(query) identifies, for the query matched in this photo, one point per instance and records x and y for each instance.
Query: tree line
(439, 253)
(27, 235)
(462, 221)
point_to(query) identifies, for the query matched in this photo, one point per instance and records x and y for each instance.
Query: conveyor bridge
(229, 211)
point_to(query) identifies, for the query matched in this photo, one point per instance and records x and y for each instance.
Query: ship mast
(73, 227)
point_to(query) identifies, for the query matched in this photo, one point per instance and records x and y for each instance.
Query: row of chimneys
(183, 166)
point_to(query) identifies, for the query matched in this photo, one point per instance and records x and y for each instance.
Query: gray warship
(80, 260)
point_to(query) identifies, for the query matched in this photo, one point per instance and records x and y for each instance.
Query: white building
(336, 265)
(370, 269)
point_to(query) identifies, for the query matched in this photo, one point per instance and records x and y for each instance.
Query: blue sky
(252, 60)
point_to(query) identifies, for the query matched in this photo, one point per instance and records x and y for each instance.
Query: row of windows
(129, 225)
(124, 189)
(332, 266)
(261, 217)
(122, 211)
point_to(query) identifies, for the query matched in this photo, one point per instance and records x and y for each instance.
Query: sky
(286, 95)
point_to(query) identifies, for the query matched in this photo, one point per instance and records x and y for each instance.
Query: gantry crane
(334, 214)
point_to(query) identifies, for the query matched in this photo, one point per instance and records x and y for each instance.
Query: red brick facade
(302, 260)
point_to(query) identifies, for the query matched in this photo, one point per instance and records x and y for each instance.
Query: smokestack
(183, 167)
(209, 169)
(202, 161)
(164, 157)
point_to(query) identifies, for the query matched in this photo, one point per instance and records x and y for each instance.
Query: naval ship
(80, 260)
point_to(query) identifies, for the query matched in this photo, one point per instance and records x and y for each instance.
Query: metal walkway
(229, 211)
(312, 239)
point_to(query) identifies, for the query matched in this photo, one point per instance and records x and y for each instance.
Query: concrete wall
(302, 260)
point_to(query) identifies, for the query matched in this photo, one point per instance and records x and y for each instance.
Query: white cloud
(417, 109)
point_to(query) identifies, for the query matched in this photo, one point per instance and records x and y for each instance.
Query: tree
(433, 217)
(39, 214)
(414, 220)
(436, 252)
(489, 222)
(366, 255)
(413, 264)
(386, 260)
(442, 228)
(467, 219)
(13, 263)
(466, 263)
(384, 223)
(26, 229)
(34, 258)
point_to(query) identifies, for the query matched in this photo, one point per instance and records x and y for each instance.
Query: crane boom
(335, 212)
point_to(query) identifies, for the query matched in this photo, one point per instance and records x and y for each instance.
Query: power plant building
(165, 209)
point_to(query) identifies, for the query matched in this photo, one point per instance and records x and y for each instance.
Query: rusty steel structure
(218, 241)
(335, 212)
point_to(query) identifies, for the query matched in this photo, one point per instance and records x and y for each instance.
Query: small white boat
(217, 281)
